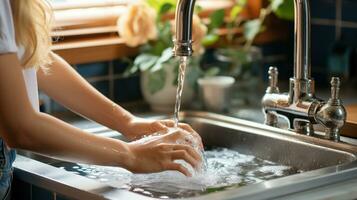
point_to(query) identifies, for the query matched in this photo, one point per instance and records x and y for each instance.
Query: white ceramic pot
(164, 99)
(216, 92)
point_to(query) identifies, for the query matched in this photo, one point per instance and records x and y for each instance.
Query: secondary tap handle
(273, 80)
(335, 91)
(273, 76)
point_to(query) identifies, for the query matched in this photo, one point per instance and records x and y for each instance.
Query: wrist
(123, 119)
(129, 157)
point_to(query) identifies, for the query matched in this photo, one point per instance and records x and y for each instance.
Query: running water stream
(180, 84)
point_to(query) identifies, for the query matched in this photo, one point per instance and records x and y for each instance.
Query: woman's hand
(159, 152)
(139, 127)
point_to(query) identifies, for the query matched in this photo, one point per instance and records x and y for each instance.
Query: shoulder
(7, 32)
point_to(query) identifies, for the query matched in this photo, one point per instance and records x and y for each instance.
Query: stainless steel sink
(322, 162)
(284, 147)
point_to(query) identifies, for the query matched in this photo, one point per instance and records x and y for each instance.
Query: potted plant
(144, 25)
(237, 56)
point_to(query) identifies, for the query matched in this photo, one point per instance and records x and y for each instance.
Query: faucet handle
(332, 115)
(335, 91)
(273, 80)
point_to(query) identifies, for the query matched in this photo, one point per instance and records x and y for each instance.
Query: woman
(25, 58)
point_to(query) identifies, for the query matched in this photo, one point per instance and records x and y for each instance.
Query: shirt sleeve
(7, 31)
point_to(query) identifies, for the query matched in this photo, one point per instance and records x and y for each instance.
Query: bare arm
(66, 86)
(24, 128)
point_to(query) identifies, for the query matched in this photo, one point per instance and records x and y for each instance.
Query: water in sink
(225, 169)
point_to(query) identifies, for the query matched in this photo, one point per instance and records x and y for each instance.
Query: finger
(189, 129)
(158, 126)
(183, 155)
(166, 147)
(168, 122)
(183, 137)
(186, 127)
(175, 135)
(178, 167)
(191, 151)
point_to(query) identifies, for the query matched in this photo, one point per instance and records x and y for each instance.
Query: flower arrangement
(143, 24)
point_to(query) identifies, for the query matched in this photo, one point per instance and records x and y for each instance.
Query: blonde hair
(32, 21)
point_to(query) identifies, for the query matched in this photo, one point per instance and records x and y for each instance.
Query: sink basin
(302, 152)
(322, 162)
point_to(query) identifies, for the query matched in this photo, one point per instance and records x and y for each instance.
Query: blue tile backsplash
(107, 78)
(349, 10)
(93, 69)
(325, 9)
(322, 37)
(334, 37)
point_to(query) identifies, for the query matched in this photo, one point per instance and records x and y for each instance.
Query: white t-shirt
(8, 45)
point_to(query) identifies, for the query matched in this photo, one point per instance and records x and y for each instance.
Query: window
(84, 26)
(83, 17)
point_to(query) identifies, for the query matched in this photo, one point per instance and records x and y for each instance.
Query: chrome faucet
(183, 21)
(300, 106)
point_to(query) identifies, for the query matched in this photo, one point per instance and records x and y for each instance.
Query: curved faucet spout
(302, 69)
(183, 21)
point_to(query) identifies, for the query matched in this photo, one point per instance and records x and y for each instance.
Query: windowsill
(88, 42)
(93, 50)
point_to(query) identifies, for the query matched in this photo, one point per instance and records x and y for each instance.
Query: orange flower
(137, 26)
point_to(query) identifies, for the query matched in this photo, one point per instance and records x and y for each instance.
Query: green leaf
(210, 39)
(251, 29)
(216, 19)
(131, 70)
(156, 81)
(156, 67)
(164, 39)
(147, 65)
(284, 9)
(198, 9)
(158, 4)
(166, 55)
(166, 7)
(275, 4)
(212, 71)
(145, 61)
(142, 58)
(153, 3)
(236, 10)
(157, 48)
(241, 2)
